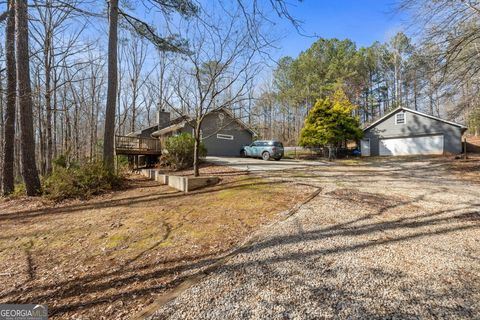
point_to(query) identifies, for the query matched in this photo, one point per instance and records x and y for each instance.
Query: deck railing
(136, 144)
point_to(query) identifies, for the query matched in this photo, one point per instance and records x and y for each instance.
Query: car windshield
(278, 144)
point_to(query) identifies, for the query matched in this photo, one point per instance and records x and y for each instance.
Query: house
(222, 133)
(409, 132)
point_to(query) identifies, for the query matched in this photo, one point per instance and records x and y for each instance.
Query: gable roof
(412, 111)
(181, 121)
(139, 132)
(236, 119)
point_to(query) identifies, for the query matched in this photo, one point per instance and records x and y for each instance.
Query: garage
(409, 132)
(411, 145)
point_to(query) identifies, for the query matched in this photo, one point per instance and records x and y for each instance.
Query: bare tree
(217, 73)
(47, 34)
(29, 169)
(133, 54)
(449, 31)
(9, 125)
(170, 43)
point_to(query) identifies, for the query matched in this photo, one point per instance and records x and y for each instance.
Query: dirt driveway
(384, 239)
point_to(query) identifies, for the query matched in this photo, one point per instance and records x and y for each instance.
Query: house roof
(171, 128)
(139, 132)
(413, 111)
(181, 121)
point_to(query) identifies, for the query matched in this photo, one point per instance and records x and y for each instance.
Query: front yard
(111, 256)
(386, 238)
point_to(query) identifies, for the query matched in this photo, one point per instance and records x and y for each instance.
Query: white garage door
(414, 145)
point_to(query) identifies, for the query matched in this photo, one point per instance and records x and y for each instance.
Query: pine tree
(330, 122)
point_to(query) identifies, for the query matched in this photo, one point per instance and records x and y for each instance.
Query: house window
(400, 118)
(224, 136)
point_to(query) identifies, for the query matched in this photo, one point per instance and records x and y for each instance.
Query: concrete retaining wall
(199, 182)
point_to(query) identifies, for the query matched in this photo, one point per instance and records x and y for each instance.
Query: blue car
(265, 149)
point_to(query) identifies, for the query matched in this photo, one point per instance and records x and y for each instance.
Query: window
(400, 118)
(224, 136)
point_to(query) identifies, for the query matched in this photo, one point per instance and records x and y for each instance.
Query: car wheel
(266, 156)
(243, 154)
(277, 159)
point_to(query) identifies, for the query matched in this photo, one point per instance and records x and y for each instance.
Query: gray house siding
(416, 125)
(214, 125)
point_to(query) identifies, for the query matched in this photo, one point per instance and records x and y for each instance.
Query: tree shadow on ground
(103, 288)
(167, 193)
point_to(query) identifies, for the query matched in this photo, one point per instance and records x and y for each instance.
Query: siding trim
(410, 136)
(224, 136)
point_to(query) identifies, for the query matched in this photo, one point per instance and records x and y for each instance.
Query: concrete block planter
(184, 184)
(187, 184)
(162, 178)
(148, 173)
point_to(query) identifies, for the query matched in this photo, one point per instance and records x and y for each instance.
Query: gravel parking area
(384, 240)
(257, 165)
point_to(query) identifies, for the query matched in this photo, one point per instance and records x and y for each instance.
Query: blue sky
(363, 21)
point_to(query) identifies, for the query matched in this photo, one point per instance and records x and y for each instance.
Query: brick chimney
(163, 119)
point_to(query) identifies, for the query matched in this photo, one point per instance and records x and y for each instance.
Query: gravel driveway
(383, 240)
(259, 165)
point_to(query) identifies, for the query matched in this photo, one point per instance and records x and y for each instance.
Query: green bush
(61, 161)
(80, 182)
(178, 153)
(19, 190)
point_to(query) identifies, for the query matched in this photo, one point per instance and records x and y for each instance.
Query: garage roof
(413, 111)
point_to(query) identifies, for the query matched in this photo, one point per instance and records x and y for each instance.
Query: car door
(254, 149)
(250, 150)
(259, 148)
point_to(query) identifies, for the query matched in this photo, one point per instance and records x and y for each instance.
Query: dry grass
(110, 256)
(468, 169)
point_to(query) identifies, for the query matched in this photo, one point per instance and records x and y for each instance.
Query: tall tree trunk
(93, 120)
(109, 134)
(134, 106)
(55, 118)
(196, 152)
(9, 125)
(48, 100)
(76, 129)
(2, 107)
(41, 132)
(27, 145)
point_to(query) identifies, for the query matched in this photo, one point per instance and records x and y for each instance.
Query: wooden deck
(137, 146)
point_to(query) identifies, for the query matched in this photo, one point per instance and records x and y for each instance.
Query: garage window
(400, 118)
(224, 136)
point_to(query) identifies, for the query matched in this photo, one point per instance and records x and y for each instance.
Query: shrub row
(80, 181)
